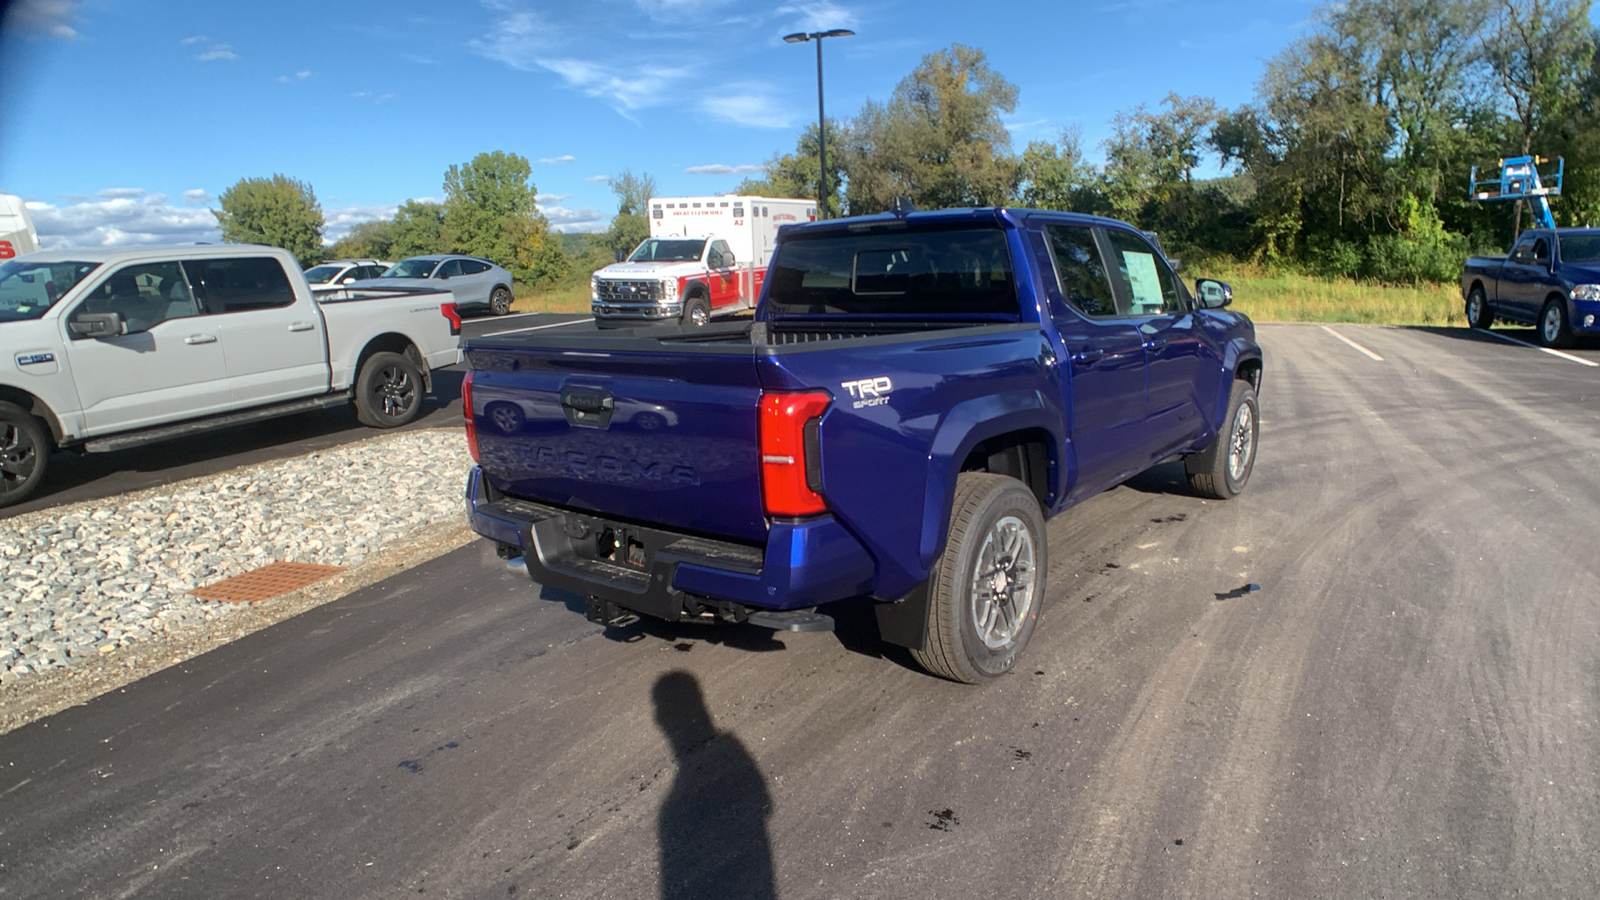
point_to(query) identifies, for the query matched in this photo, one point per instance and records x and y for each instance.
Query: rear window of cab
(952, 271)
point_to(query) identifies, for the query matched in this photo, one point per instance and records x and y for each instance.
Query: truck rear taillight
(466, 412)
(450, 312)
(791, 465)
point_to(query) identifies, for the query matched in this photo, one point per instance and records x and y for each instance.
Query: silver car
(476, 283)
(338, 273)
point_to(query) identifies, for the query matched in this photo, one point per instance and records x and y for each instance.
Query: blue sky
(124, 119)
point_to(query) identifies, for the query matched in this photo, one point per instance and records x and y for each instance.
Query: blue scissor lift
(1520, 180)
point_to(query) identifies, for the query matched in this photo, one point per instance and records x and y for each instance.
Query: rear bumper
(658, 571)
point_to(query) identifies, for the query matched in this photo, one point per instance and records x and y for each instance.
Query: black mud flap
(904, 622)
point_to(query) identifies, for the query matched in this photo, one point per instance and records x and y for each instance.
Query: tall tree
(489, 211)
(631, 225)
(1151, 156)
(418, 229)
(939, 140)
(795, 174)
(278, 211)
(1055, 175)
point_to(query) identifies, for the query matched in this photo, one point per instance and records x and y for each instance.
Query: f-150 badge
(869, 391)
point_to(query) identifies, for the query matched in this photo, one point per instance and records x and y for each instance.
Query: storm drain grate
(271, 580)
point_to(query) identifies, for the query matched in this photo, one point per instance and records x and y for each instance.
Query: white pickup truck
(106, 349)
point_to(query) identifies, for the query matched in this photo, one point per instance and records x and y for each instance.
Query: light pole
(801, 37)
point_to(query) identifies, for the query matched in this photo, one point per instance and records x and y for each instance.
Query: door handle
(200, 339)
(1088, 357)
(301, 326)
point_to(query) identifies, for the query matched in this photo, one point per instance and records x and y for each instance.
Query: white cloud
(338, 222)
(557, 160)
(542, 199)
(751, 106)
(121, 221)
(672, 10)
(598, 179)
(194, 39)
(219, 51)
(521, 39)
(563, 219)
(42, 18)
(819, 16)
(375, 98)
(120, 193)
(301, 75)
(719, 169)
(197, 197)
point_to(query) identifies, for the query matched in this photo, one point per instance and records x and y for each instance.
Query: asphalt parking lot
(1407, 707)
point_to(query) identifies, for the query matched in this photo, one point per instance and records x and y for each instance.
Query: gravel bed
(81, 581)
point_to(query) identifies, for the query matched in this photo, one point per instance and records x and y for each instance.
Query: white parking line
(536, 327)
(1511, 340)
(1341, 337)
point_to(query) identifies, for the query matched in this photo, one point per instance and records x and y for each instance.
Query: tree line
(488, 211)
(1352, 160)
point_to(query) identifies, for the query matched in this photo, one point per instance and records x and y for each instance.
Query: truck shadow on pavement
(712, 827)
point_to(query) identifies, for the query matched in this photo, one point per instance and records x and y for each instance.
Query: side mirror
(1520, 255)
(728, 260)
(442, 275)
(97, 325)
(621, 256)
(1212, 294)
(347, 279)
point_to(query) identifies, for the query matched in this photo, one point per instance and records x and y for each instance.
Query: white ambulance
(16, 228)
(705, 256)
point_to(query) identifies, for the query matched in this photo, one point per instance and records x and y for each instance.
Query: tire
(1221, 471)
(976, 628)
(506, 418)
(1554, 329)
(388, 390)
(696, 311)
(25, 448)
(649, 421)
(1479, 315)
(500, 301)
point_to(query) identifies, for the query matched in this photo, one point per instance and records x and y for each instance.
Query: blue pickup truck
(1551, 280)
(915, 394)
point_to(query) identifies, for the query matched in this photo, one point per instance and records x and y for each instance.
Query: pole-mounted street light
(801, 37)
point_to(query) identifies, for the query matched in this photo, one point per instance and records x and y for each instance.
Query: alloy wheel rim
(1474, 309)
(1003, 586)
(395, 392)
(1240, 446)
(18, 458)
(1552, 323)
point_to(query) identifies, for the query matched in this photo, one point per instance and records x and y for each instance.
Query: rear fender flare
(968, 424)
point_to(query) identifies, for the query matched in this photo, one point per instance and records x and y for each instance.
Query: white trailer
(16, 228)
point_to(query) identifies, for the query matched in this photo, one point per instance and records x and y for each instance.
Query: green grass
(562, 298)
(1262, 294)
(1269, 296)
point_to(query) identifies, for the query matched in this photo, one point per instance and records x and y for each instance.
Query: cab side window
(1541, 251)
(449, 269)
(473, 266)
(1080, 271)
(145, 295)
(239, 285)
(1143, 275)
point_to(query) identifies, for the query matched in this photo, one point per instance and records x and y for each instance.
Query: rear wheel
(388, 390)
(986, 590)
(1554, 330)
(500, 301)
(696, 311)
(24, 453)
(1221, 470)
(1478, 313)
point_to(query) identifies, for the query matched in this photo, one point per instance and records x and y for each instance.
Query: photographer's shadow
(713, 826)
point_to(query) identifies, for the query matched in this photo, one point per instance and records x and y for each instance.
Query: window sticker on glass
(1145, 282)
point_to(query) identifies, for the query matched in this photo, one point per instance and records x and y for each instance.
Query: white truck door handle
(301, 326)
(200, 339)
